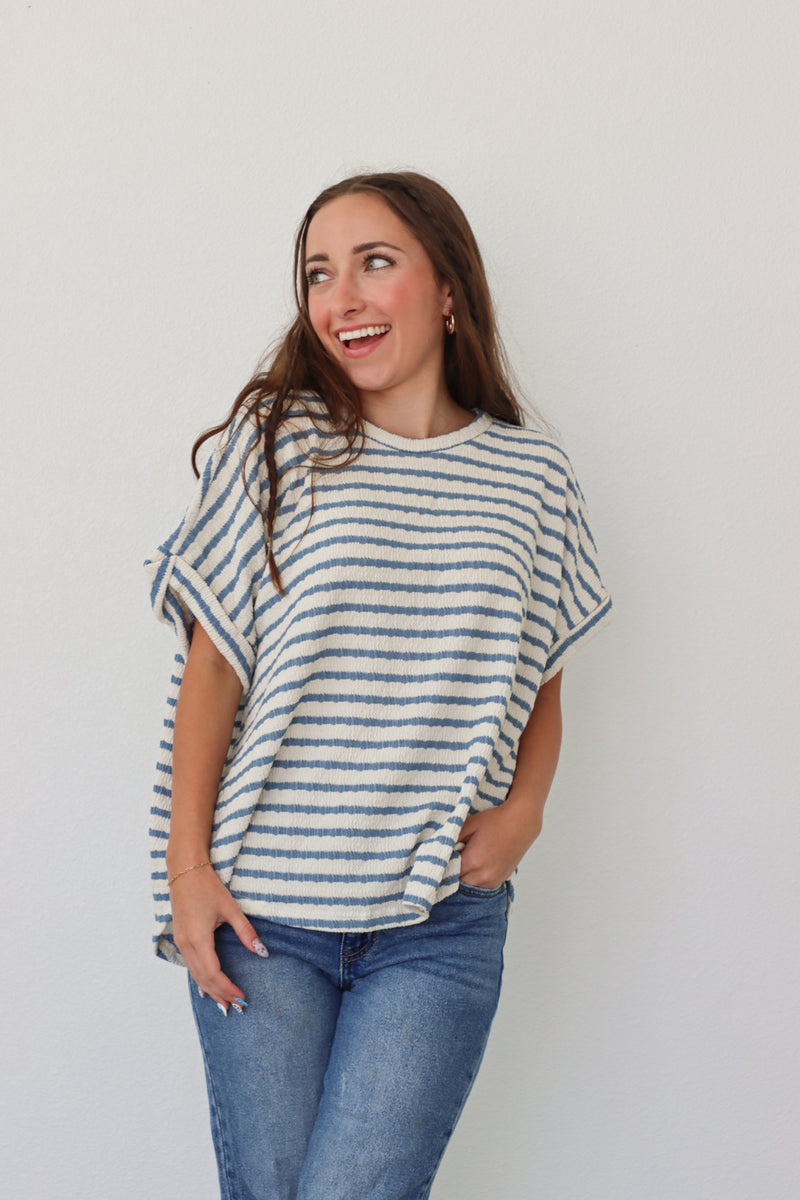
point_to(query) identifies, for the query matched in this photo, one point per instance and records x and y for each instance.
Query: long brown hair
(477, 372)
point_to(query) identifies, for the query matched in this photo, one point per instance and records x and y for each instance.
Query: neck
(415, 413)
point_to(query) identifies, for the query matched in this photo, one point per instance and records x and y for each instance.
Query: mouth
(358, 342)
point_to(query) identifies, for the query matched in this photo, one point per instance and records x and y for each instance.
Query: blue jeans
(346, 1075)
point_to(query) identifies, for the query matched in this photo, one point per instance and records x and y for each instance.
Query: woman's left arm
(497, 839)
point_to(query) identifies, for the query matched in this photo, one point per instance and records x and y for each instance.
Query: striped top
(437, 583)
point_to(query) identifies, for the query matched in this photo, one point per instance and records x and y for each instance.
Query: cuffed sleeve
(584, 606)
(209, 568)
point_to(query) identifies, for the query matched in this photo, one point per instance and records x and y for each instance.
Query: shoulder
(240, 447)
(531, 449)
(304, 423)
(233, 446)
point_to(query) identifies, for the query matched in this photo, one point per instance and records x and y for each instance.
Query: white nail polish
(222, 1008)
(259, 947)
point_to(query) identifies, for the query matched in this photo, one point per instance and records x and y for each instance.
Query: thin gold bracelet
(178, 874)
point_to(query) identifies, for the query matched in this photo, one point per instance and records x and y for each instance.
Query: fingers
(215, 985)
(195, 918)
(204, 967)
(248, 936)
(203, 962)
(223, 987)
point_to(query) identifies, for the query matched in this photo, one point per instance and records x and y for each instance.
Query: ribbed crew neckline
(444, 441)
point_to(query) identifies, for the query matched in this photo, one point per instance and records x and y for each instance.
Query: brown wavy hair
(477, 372)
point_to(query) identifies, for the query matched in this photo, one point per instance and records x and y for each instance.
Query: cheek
(319, 315)
(414, 303)
(406, 296)
(397, 295)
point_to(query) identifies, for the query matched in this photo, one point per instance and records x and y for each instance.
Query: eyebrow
(359, 249)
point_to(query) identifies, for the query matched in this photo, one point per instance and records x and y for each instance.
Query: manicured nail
(239, 1005)
(259, 947)
(200, 990)
(222, 1008)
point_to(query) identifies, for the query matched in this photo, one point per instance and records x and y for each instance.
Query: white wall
(631, 170)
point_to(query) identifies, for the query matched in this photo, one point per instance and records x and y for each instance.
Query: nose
(347, 299)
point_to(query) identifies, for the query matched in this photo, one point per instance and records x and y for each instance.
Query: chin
(369, 383)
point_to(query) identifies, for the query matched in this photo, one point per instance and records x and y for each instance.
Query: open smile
(360, 341)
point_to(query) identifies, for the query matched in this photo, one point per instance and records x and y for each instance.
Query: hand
(200, 904)
(497, 840)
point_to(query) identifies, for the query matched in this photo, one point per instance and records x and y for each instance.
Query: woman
(375, 588)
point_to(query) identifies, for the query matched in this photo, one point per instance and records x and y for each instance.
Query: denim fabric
(346, 1075)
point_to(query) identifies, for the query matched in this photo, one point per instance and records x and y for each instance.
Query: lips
(356, 343)
(357, 332)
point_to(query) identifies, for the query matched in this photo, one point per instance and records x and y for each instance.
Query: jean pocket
(470, 889)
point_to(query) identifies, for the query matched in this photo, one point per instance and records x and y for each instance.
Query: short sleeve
(211, 566)
(584, 606)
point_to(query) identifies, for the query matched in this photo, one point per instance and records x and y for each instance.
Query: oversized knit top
(437, 583)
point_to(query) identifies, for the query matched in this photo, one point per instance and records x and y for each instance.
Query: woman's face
(374, 300)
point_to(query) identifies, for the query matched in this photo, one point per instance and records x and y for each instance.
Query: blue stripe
(339, 809)
(345, 900)
(343, 926)
(318, 877)
(285, 852)
(342, 831)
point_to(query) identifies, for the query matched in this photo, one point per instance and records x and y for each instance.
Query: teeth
(350, 335)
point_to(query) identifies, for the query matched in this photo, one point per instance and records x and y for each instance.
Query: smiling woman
(377, 306)
(364, 718)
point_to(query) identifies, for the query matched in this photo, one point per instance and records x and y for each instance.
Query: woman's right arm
(207, 704)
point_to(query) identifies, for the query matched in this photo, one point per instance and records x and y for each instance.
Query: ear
(447, 298)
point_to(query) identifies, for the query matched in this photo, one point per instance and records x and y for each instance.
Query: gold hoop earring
(450, 322)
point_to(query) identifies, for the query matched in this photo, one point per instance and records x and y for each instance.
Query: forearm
(496, 839)
(537, 756)
(207, 704)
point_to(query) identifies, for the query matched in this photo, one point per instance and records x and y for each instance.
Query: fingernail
(200, 990)
(239, 1005)
(259, 947)
(222, 1008)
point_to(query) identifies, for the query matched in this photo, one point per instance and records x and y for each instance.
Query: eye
(314, 276)
(375, 262)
